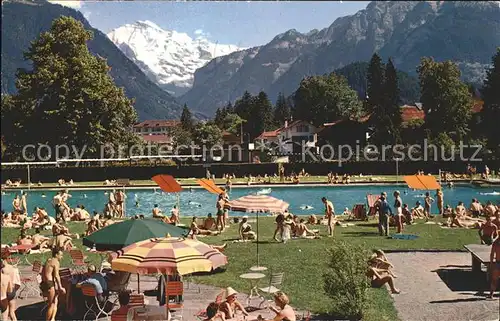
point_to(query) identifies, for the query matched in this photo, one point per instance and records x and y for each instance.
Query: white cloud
(199, 32)
(68, 3)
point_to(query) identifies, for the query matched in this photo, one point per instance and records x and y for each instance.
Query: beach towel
(404, 236)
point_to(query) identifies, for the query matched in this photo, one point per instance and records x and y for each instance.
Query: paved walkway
(196, 298)
(439, 286)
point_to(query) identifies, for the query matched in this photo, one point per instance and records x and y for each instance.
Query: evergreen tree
(262, 117)
(187, 119)
(68, 97)
(445, 98)
(243, 108)
(491, 96)
(218, 117)
(229, 108)
(375, 82)
(282, 111)
(387, 118)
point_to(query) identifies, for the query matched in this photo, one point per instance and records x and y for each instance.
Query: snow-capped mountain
(169, 58)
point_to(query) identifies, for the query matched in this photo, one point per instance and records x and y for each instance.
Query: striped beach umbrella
(167, 256)
(258, 204)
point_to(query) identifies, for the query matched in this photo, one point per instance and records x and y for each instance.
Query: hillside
(23, 21)
(465, 32)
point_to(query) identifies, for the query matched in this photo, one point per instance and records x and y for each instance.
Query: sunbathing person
(91, 227)
(490, 209)
(61, 242)
(454, 220)
(214, 313)
(245, 230)
(460, 210)
(379, 261)
(378, 279)
(313, 220)
(58, 228)
(209, 223)
(195, 230)
(488, 232)
(448, 211)
(231, 304)
(418, 211)
(80, 214)
(303, 232)
(157, 213)
(476, 208)
(285, 311)
(407, 215)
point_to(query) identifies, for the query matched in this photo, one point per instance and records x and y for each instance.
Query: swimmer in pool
(136, 204)
(43, 195)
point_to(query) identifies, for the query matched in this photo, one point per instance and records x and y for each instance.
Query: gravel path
(439, 286)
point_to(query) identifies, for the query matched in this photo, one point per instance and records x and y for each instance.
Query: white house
(289, 138)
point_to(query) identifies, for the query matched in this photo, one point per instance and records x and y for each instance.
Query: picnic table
(480, 254)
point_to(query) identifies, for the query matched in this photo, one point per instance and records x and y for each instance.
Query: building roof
(157, 123)
(411, 112)
(274, 133)
(228, 137)
(159, 139)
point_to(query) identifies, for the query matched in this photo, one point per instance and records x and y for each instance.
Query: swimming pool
(198, 202)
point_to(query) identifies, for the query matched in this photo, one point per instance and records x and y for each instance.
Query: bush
(345, 280)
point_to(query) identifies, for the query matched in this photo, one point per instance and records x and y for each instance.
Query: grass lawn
(304, 261)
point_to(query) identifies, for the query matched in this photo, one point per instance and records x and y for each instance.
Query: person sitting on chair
(124, 300)
(231, 304)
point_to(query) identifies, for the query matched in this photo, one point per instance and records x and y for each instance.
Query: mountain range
(465, 32)
(23, 21)
(168, 57)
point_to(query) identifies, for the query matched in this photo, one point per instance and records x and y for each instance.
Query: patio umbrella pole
(258, 240)
(138, 284)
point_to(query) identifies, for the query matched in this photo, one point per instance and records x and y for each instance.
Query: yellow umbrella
(167, 256)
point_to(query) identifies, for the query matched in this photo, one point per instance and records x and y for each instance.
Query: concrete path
(440, 286)
(196, 298)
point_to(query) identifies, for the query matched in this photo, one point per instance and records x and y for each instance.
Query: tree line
(68, 97)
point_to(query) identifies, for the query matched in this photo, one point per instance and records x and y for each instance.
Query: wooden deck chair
(174, 289)
(115, 316)
(31, 283)
(202, 315)
(359, 212)
(372, 200)
(78, 260)
(91, 301)
(136, 300)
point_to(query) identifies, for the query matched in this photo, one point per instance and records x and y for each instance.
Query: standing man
(51, 278)
(120, 200)
(24, 203)
(494, 266)
(330, 215)
(440, 201)
(383, 215)
(220, 212)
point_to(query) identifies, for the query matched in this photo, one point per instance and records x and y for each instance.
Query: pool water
(303, 200)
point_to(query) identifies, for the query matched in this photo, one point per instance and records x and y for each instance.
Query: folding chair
(202, 315)
(31, 283)
(175, 289)
(78, 260)
(118, 316)
(359, 212)
(90, 294)
(275, 280)
(136, 300)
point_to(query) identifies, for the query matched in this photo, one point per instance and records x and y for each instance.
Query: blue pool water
(199, 202)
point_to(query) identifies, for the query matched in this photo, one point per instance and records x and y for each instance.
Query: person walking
(383, 216)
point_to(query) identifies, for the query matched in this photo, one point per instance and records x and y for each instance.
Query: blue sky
(243, 23)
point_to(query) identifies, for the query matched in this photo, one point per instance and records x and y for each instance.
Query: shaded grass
(304, 261)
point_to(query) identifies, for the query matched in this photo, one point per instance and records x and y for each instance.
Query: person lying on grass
(195, 230)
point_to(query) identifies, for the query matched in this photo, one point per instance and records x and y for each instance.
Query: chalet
(155, 127)
(289, 138)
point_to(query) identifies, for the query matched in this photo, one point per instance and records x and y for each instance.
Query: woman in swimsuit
(285, 312)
